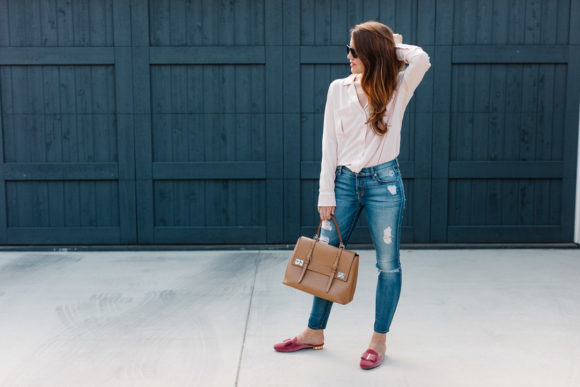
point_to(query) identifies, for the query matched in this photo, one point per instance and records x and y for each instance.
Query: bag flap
(323, 257)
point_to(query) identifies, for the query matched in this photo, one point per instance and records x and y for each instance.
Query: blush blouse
(347, 140)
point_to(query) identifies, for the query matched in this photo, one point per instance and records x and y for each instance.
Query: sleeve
(329, 154)
(418, 64)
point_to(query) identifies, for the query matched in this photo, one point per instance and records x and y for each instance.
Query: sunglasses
(351, 50)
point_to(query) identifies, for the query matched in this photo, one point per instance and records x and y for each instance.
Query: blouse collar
(349, 80)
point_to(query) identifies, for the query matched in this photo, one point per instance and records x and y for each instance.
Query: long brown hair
(375, 46)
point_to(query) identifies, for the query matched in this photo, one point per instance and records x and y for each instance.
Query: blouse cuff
(326, 199)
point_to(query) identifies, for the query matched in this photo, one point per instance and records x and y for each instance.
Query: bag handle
(316, 236)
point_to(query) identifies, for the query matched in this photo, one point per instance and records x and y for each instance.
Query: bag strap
(316, 236)
(334, 268)
(307, 261)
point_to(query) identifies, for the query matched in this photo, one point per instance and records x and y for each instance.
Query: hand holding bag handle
(316, 236)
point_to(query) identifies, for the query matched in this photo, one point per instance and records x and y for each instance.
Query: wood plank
(548, 26)
(6, 91)
(307, 144)
(505, 169)
(510, 54)
(541, 202)
(55, 203)
(274, 170)
(62, 235)
(211, 235)
(555, 205)
(99, 25)
(143, 177)
(124, 142)
(444, 22)
(322, 54)
(516, 22)
(483, 25)
(465, 23)
(80, 20)
(533, 19)
(18, 33)
(567, 24)
(513, 112)
(178, 23)
(160, 23)
(140, 29)
(47, 23)
(339, 28)
(561, 75)
(273, 28)
(421, 215)
(307, 18)
(65, 24)
(370, 9)
(121, 22)
(425, 24)
(494, 198)
(60, 171)
(163, 199)
(275, 231)
(141, 81)
(194, 17)
(208, 55)
(545, 112)
(229, 99)
(505, 234)
(50, 91)
(527, 132)
(56, 55)
(322, 22)
(86, 200)
(72, 207)
(292, 124)
(4, 23)
(500, 22)
(441, 131)
(497, 108)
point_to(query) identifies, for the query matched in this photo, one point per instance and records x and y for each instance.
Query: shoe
(371, 359)
(291, 345)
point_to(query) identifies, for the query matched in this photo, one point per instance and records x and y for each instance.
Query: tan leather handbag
(323, 270)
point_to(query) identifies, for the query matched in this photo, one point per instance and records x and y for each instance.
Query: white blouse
(347, 140)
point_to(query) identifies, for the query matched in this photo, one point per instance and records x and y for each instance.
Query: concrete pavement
(501, 317)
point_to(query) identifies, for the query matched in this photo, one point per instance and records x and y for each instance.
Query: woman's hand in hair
(326, 211)
(398, 38)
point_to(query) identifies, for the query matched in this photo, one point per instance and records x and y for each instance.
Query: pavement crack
(257, 263)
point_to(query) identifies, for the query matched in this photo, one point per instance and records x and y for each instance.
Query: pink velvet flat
(371, 359)
(291, 345)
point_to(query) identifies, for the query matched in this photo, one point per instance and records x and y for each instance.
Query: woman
(361, 138)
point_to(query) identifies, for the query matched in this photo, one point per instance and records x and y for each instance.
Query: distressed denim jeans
(379, 190)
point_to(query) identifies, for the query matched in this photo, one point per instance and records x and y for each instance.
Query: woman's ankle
(310, 331)
(309, 335)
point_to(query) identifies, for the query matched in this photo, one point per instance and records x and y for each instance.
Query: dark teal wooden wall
(175, 121)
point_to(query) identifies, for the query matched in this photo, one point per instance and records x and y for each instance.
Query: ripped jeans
(380, 191)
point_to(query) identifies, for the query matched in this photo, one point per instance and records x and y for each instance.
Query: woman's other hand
(398, 38)
(326, 211)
